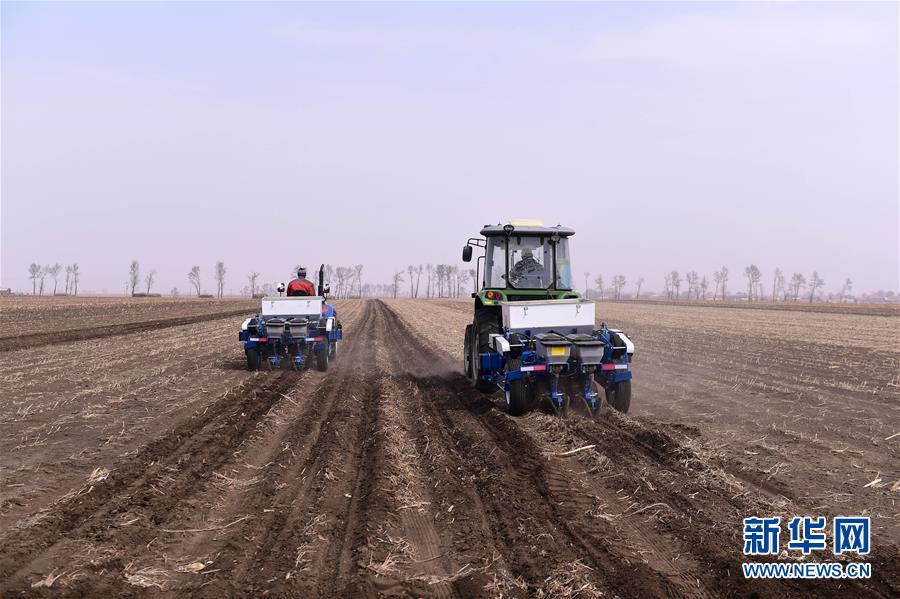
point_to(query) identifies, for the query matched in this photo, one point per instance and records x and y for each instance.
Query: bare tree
(418, 279)
(174, 292)
(452, 281)
(439, 271)
(412, 271)
(777, 284)
(704, 285)
(148, 279)
(344, 275)
(68, 277)
(667, 281)
(134, 275)
(54, 271)
(76, 276)
(220, 277)
(798, 282)
(753, 277)
(586, 288)
(676, 283)
(599, 283)
(723, 277)
(42, 276)
(34, 273)
(357, 271)
(252, 278)
(618, 284)
(846, 289)
(462, 277)
(815, 283)
(398, 278)
(474, 274)
(640, 282)
(429, 268)
(194, 279)
(693, 282)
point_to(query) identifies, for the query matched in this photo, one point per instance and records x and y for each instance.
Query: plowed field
(144, 460)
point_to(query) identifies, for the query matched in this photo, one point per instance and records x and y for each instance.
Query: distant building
(5, 291)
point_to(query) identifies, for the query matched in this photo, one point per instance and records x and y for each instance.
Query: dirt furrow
(532, 536)
(172, 488)
(316, 490)
(653, 482)
(20, 342)
(121, 508)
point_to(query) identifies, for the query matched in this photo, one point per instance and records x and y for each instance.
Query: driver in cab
(527, 271)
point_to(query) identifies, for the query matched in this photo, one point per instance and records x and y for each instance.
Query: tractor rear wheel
(322, 359)
(252, 359)
(486, 324)
(619, 397)
(519, 392)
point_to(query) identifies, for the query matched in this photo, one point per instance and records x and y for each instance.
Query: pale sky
(670, 136)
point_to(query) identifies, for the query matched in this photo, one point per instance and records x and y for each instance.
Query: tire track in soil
(182, 459)
(313, 508)
(517, 514)
(296, 430)
(712, 566)
(20, 342)
(421, 532)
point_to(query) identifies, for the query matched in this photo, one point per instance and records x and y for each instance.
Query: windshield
(530, 263)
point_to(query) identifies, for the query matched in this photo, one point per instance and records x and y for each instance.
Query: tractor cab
(532, 336)
(523, 260)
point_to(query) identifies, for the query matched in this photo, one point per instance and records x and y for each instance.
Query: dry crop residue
(386, 475)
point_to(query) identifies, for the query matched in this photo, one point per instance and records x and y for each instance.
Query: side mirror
(467, 253)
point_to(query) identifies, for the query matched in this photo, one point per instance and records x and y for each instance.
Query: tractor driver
(300, 285)
(527, 271)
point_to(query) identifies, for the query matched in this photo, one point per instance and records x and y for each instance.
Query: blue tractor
(296, 330)
(533, 336)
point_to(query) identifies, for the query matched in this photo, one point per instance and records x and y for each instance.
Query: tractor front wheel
(252, 359)
(322, 359)
(619, 397)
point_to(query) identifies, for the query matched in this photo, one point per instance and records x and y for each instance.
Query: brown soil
(152, 464)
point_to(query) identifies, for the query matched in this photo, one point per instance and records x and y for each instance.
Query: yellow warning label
(557, 351)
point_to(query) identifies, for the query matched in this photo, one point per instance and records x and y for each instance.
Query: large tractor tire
(252, 359)
(467, 353)
(619, 397)
(486, 323)
(518, 396)
(322, 359)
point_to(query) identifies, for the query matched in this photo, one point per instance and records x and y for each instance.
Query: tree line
(38, 275)
(441, 280)
(194, 280)
(695, 286)
(447, 280)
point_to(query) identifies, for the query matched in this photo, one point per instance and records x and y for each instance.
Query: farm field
(31, 322)
(145, 460)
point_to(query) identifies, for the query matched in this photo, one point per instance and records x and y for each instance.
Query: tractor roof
(530, 227)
